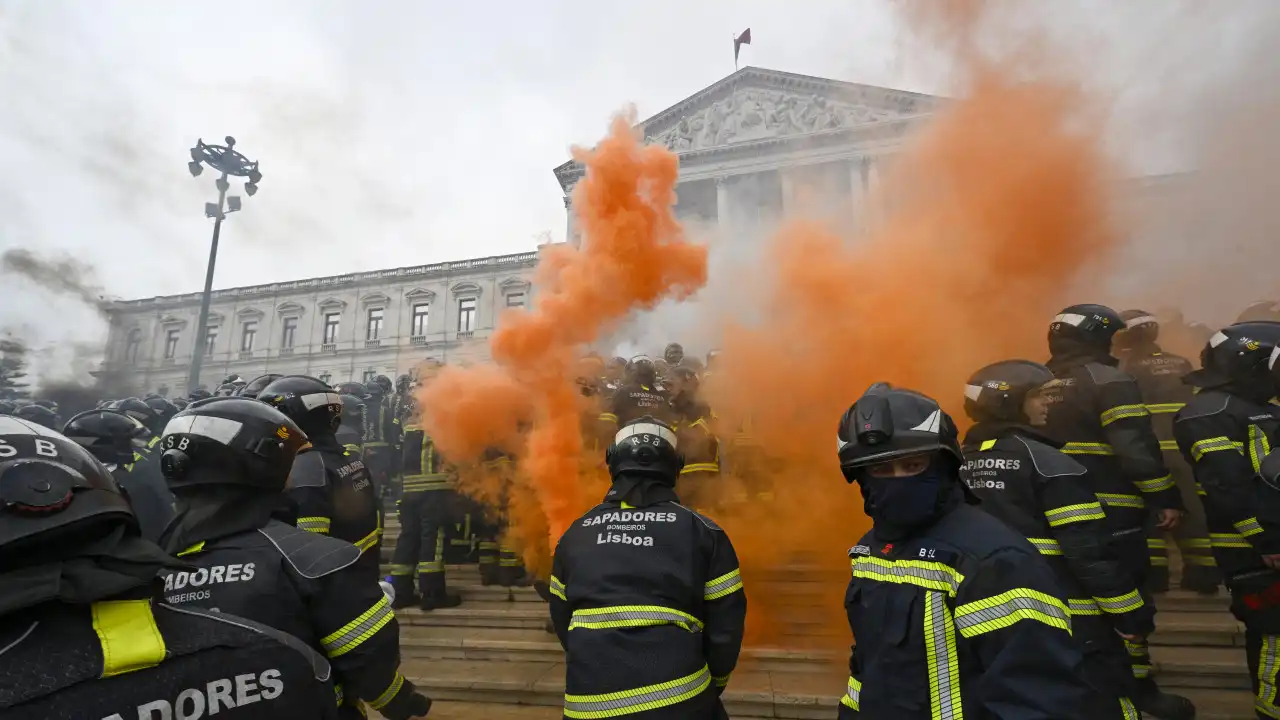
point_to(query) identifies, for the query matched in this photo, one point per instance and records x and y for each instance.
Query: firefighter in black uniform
(1023, 480)
(1159, 375)
(647, 599)
(1099, 415)
(351, 431)
(425, 507)
(39, 415)
(82, 636)
(382, 444)
(329, 484)
(255, 386)
(228, 462)
(116, 440)
(954, 613)
(638, 395)
(1225, 431)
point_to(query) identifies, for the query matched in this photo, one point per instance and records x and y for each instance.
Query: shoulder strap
(129, 636)
(1050, 462)
(308, 470)
(311, 555)
(708, 522)
(319, 665)
(1204, 405)
(1103, 374)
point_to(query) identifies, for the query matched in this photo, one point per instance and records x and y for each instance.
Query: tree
(13, 370)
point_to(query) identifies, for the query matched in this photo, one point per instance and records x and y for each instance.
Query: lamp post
(224, 159)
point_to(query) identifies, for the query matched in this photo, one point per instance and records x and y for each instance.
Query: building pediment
(465, 288)
(290, 308)
(173, 322)
(420, 294)
(249, 313)
(332, 304)
(375, 298)
(513, 284)
(755, 104)
(215, 318)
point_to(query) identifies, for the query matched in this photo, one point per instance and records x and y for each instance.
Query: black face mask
(900, 506)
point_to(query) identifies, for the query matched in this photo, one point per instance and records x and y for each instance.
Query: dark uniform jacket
(964, 617)
(647, 601)
(1099, 415)
(634, 400)
(382, 422)
(1159, 376)
(128, 659)
(424, 469)
(354, 428)
(335, 496)
(307, 585)
(697, 443)
(148, 493)
(1225, 437)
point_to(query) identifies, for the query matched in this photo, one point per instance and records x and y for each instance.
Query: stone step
(753, 693)
(1198, 629)
(1201, 667)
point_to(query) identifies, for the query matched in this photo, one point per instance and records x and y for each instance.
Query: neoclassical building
(752, 146)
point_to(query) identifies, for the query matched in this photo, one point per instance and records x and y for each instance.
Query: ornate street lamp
(226, 160)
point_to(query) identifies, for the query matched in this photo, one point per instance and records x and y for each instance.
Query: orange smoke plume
(636, 256)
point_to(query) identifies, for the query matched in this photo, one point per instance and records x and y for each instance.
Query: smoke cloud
(64, 275)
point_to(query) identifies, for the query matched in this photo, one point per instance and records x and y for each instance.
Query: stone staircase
(492, 657)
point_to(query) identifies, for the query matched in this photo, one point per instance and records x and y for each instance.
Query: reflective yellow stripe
(1068, 514)
(852, 693)
(401, 570)
(376, 445)
(369, 540)
(389, 694)
(1200, 448)
(1259, 447)
(1169, 445)
(700, 467)
(608, 417)
(1121, 412)
(1127, 602)
(928, 575)
(620, 616)
(1141, 671)
(942, 658)
(1046, 546)
(1083, 606)
(1157, 544)
(726, 584)
(1007, 609)
(1128, 711)
(1118, 500)
(1265, 701)
(721, 680)
(557, 588)
(350, 636)
(128, 634)
(1136, 648)
(315, 524)
(1248, 527)
(1228, 540)
(193, 549)
(987, 445)
(649, 697)
(1085, 448)
(1164, 408)
(1155, 485)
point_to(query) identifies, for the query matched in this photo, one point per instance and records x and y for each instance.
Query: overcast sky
(390, 132)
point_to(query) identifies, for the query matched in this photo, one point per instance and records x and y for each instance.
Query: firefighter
(425, 506)
(163, 410)
(39, 415)
(116, 441)
(82, 636)
(955, 614)
(647, 599)
(228, 462)
(351, 429)
(382, 443)
(1159, 376)
(255, 386)
(638, 395)
(673, 354)
(1225, 431)
(1098, 413)
(330, 485)
(698, 444)
(500, 562)
(145, 414)
(1023, 480)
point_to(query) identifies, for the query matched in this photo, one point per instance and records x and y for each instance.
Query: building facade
(339, 328)
(753, 146)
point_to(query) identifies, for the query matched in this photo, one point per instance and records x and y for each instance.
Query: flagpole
(735, 51)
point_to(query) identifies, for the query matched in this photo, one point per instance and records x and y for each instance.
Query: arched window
(132, 346)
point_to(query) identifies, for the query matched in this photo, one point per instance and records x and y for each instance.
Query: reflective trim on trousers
(626, 702)
(620, 616)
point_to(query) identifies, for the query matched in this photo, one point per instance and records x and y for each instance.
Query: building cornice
(334, 283)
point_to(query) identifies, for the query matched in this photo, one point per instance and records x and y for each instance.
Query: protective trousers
(1199, 570)
(1264, 664)
(1131, 546)
(420, 550)
(381, 460)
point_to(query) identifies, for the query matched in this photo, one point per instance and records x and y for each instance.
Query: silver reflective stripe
(940, 641)
(315, 400)
(1140, 321)
(649, 697)
(214, 428)
(1012, 606)
(645, 429)
(972, 391)
(1217, 339)
(16, 426)
(1069, 318)
(633, 616)
(1275, 358)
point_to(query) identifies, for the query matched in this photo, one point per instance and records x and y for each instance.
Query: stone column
(723, 206)
(571, 229)
(875, 204)
(858, 191)
(787, 178)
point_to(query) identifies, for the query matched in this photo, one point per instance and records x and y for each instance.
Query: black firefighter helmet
(999, 391)
(1240, 355)
(254, 387)
(353, 388)
(230, 441)
(112, 437)
(1084, 326)
(54, 496)
(645, 446)
(888, 423)
(1140, 328)
(384, 382)
(308, 401)
(39, 415)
